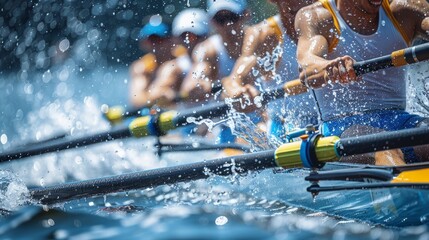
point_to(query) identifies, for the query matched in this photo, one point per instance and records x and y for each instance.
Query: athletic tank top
(226, 62)
(297, 111)
(384, 89)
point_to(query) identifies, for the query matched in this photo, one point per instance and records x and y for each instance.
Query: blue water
(41, 104)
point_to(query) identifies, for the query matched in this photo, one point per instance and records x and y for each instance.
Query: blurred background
(40, 34)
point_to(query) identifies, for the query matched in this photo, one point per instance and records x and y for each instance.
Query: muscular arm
(314, 24)
(163, 89)
(258, 40)
(140, 81)
(204, 72)
(413, 16)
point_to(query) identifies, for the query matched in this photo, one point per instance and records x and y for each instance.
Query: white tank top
(384, 89)
(225, 62)
(299, 110)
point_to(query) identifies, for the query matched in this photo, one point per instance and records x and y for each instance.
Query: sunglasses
(225, 17)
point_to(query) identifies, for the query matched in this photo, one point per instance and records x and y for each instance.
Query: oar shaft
(382, 141)
(396, 59)
(156, 177)
(61, 144)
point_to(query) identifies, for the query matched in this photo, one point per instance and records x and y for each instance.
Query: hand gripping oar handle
(288, 155)
(395, 59)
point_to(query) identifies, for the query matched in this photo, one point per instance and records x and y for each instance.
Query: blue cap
(154, 27)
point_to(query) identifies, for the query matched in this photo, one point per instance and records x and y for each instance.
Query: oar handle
(395, 59)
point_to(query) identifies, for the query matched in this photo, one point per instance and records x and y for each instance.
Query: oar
(289, 155)
(157, 125)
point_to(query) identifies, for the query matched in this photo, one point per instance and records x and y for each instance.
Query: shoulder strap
(328, 7)
(149, 61)
(273, 23)
(386, 7)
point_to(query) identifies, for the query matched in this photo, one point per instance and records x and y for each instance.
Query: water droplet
(221, 220)
(3, 139)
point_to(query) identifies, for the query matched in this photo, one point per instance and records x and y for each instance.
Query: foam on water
(13, 192)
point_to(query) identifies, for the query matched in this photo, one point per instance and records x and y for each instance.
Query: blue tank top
(384, 89)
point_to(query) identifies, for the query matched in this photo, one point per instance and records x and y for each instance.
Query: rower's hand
(339, 70)
(195, 90)
(243, 97)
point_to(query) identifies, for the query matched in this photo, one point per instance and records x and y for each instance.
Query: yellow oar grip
(139, 127)
(398, 58)
(114, 114)
(413, 176)
(144, 126)
(288, 155)
(166, 121)
(294, 87)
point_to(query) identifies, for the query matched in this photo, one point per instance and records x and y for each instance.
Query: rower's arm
(198, 82)
(140, 81)
(413, 16)
(315, 26)
(163, 89)
(258, 40)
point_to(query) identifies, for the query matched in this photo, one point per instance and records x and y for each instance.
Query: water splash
(13, 192)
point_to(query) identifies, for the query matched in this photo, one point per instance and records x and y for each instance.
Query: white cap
(235, 6)
(192, 20)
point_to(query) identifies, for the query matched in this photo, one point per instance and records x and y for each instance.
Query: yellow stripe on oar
(414, 176)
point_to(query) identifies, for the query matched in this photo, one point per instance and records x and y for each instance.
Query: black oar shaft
(383, 141)
(156, 177)
(398, 58)
(62, 144)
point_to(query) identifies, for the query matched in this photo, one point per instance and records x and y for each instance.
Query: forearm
(198, 82)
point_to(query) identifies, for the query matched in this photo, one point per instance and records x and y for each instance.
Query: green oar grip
(289, 155)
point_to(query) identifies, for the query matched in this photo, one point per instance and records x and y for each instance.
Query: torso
(376, 91)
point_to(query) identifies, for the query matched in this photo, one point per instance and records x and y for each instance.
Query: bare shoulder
(410, 14)
(259, 38)
(205, 51)
(406, 9)
(315, 16)
(145, 65)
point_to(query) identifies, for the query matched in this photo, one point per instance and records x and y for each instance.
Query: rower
(190, 27)
(155, 39)
(215, 57)
(336, 33)
(277, 37)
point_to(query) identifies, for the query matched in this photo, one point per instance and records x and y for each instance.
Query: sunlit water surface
(69, 101)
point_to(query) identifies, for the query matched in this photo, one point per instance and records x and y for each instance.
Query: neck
(357, 17)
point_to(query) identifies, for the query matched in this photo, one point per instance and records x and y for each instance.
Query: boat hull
(396, 207)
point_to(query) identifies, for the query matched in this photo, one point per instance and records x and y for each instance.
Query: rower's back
(380, 90)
